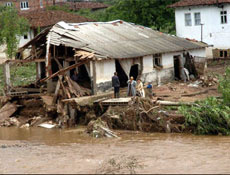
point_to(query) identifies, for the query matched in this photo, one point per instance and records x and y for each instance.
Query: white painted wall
(22, 41)
(198, 52)
(214, 33)
(104, 70)
(2, 53)
(147, 64)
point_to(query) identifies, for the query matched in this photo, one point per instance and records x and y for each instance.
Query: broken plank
(57, 90)
(71, 88)
(88, 99)
(171, 103)
(63, 70)
(7, 111)
(196, 93)
(47, 100)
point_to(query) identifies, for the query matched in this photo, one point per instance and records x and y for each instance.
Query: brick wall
(32, 4)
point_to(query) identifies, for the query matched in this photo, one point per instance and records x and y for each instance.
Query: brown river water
(38, 150)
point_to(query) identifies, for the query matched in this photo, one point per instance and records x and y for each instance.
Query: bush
(224, 86)
(211, 116)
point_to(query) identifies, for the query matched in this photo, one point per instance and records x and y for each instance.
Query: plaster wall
(214, 33)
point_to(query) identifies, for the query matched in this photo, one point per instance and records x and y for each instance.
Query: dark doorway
(43, 69)
(134, 71)
(84, 79)
(121, 74)
(177, 67)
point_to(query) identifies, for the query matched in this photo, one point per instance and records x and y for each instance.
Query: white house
(207, 21)
(129, 49)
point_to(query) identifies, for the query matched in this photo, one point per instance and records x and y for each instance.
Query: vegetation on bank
(20, 75)
(211, 116)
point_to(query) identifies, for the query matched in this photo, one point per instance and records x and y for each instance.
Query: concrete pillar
(7, 76)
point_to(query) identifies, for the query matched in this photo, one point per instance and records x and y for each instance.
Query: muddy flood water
(38, 150)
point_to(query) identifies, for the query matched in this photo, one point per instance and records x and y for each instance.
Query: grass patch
(21, 75)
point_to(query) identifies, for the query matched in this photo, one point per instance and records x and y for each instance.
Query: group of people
(134, 88)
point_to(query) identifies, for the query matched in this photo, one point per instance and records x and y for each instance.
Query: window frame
(159, 58)
(24, 5)
(8, 4)
(195, 19)
(190, 19)
(41, 3)
(224, 17)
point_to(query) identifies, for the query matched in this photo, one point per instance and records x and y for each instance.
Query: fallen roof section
(45, 18)
(185, 3)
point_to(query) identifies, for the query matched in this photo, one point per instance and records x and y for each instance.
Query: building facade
(116, 46)
(207, 21)
(29, 5)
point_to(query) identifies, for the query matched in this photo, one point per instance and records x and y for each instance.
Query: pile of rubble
(32, 105)
(140, 115)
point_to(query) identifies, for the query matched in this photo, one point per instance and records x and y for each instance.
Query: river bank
(56, 151)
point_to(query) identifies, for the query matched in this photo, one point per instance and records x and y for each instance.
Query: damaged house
(98, 49)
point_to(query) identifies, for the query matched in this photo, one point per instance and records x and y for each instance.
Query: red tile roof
(83, 5)
(44, 18)
(185, 3)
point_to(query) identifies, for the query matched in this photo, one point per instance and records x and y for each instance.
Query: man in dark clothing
(116, 85)
(75, 76)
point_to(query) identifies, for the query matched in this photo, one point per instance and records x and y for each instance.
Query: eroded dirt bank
(38, 150)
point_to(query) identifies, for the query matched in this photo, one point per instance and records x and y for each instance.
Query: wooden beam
(63, 71)
(93, 77)
(57, 90)
(25, 61)
(66, 64)
(7, 76)
(38, 71)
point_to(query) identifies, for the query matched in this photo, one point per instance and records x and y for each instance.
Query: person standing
(140, 88)
(116, 85)
(75, 76)
(131, 87)
(150, 90)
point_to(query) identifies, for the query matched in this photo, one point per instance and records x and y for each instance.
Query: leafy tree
(11, 27)
(150, 13)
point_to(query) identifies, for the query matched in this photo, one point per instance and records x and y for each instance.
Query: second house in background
(207, 21)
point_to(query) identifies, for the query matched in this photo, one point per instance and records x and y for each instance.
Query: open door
(121, 74)
(134, 71)
(177, 67)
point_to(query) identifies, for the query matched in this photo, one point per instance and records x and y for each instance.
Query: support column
(93, 77)
(7, 76)
(38, 70)
(66, 64)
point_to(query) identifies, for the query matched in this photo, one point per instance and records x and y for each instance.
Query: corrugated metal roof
(118, 39)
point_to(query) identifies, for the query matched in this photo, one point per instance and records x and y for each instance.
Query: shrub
(211, 116)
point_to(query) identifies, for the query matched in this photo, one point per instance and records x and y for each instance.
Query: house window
(24, 5)
(41, 4)
(157, 60)
(223, 15)
(9, 4)
(197, 19)
(223, 53)
(25, 36)
(188, 19)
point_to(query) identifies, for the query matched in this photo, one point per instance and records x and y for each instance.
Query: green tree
(11, 27)
(151, 13)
